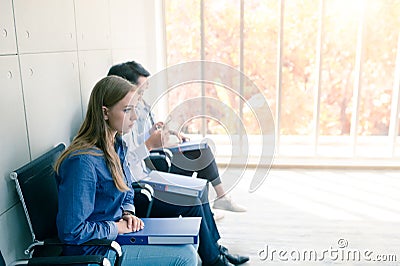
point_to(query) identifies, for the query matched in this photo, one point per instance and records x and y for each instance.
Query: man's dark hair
(130, 71)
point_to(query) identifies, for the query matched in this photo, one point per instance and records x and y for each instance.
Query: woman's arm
(128, 203)
(76, 193)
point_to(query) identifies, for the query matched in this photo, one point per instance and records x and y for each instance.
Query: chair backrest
(37, 190)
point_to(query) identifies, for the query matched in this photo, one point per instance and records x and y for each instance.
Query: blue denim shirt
(89, 202)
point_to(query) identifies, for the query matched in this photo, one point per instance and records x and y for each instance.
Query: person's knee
(188, 255)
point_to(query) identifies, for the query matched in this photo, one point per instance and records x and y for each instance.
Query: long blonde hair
(95, 131)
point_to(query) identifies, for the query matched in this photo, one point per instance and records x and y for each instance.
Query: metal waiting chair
(56, 261)
(160, 160)
(66, 260)
(37, 189)
(143, 191)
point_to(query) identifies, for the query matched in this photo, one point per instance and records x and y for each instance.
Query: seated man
(146, 134)
(210, 252)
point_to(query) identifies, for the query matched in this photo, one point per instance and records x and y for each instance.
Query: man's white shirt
(135, 155)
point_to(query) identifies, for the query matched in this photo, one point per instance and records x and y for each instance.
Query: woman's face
(122, 116)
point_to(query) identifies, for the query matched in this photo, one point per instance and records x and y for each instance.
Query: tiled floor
(316, 217)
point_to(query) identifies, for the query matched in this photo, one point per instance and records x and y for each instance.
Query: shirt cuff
(113, 230)
(129, 208)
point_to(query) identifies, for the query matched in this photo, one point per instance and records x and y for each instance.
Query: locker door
(94, 65)
(52, 98)
(129, 24)
(15, 234)
(13, 136)
(7, 34)
(45, 25)
(93, 27)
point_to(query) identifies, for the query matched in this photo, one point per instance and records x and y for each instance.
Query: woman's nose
(133, 116)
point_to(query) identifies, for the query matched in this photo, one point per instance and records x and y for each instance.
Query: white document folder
(179, 184)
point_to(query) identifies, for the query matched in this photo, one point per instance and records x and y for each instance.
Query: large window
(329, 69)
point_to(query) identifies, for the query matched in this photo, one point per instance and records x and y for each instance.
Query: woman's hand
(129, 223)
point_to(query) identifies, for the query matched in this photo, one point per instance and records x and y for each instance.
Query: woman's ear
(105, 112)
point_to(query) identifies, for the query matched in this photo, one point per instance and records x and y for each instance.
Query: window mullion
(357, 79)
(241, 67)
(317, 91)
(394, 113)
(202, 56)
(279, 77)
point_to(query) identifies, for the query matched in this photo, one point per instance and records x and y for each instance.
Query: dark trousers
(162, 207)
(185, 163)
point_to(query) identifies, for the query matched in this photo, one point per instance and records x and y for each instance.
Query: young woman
(95, 193)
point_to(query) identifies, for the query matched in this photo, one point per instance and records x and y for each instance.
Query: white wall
(51, 55)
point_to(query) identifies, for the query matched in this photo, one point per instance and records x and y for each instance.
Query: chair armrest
(162, 151)
(111, 244)
(147, 191)
(138, 187)
(65, 260)
(160, 160)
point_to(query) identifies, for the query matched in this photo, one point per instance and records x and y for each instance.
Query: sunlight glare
(345, 9)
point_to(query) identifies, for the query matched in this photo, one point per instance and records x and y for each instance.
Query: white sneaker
(218, 215)
(226, 203)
